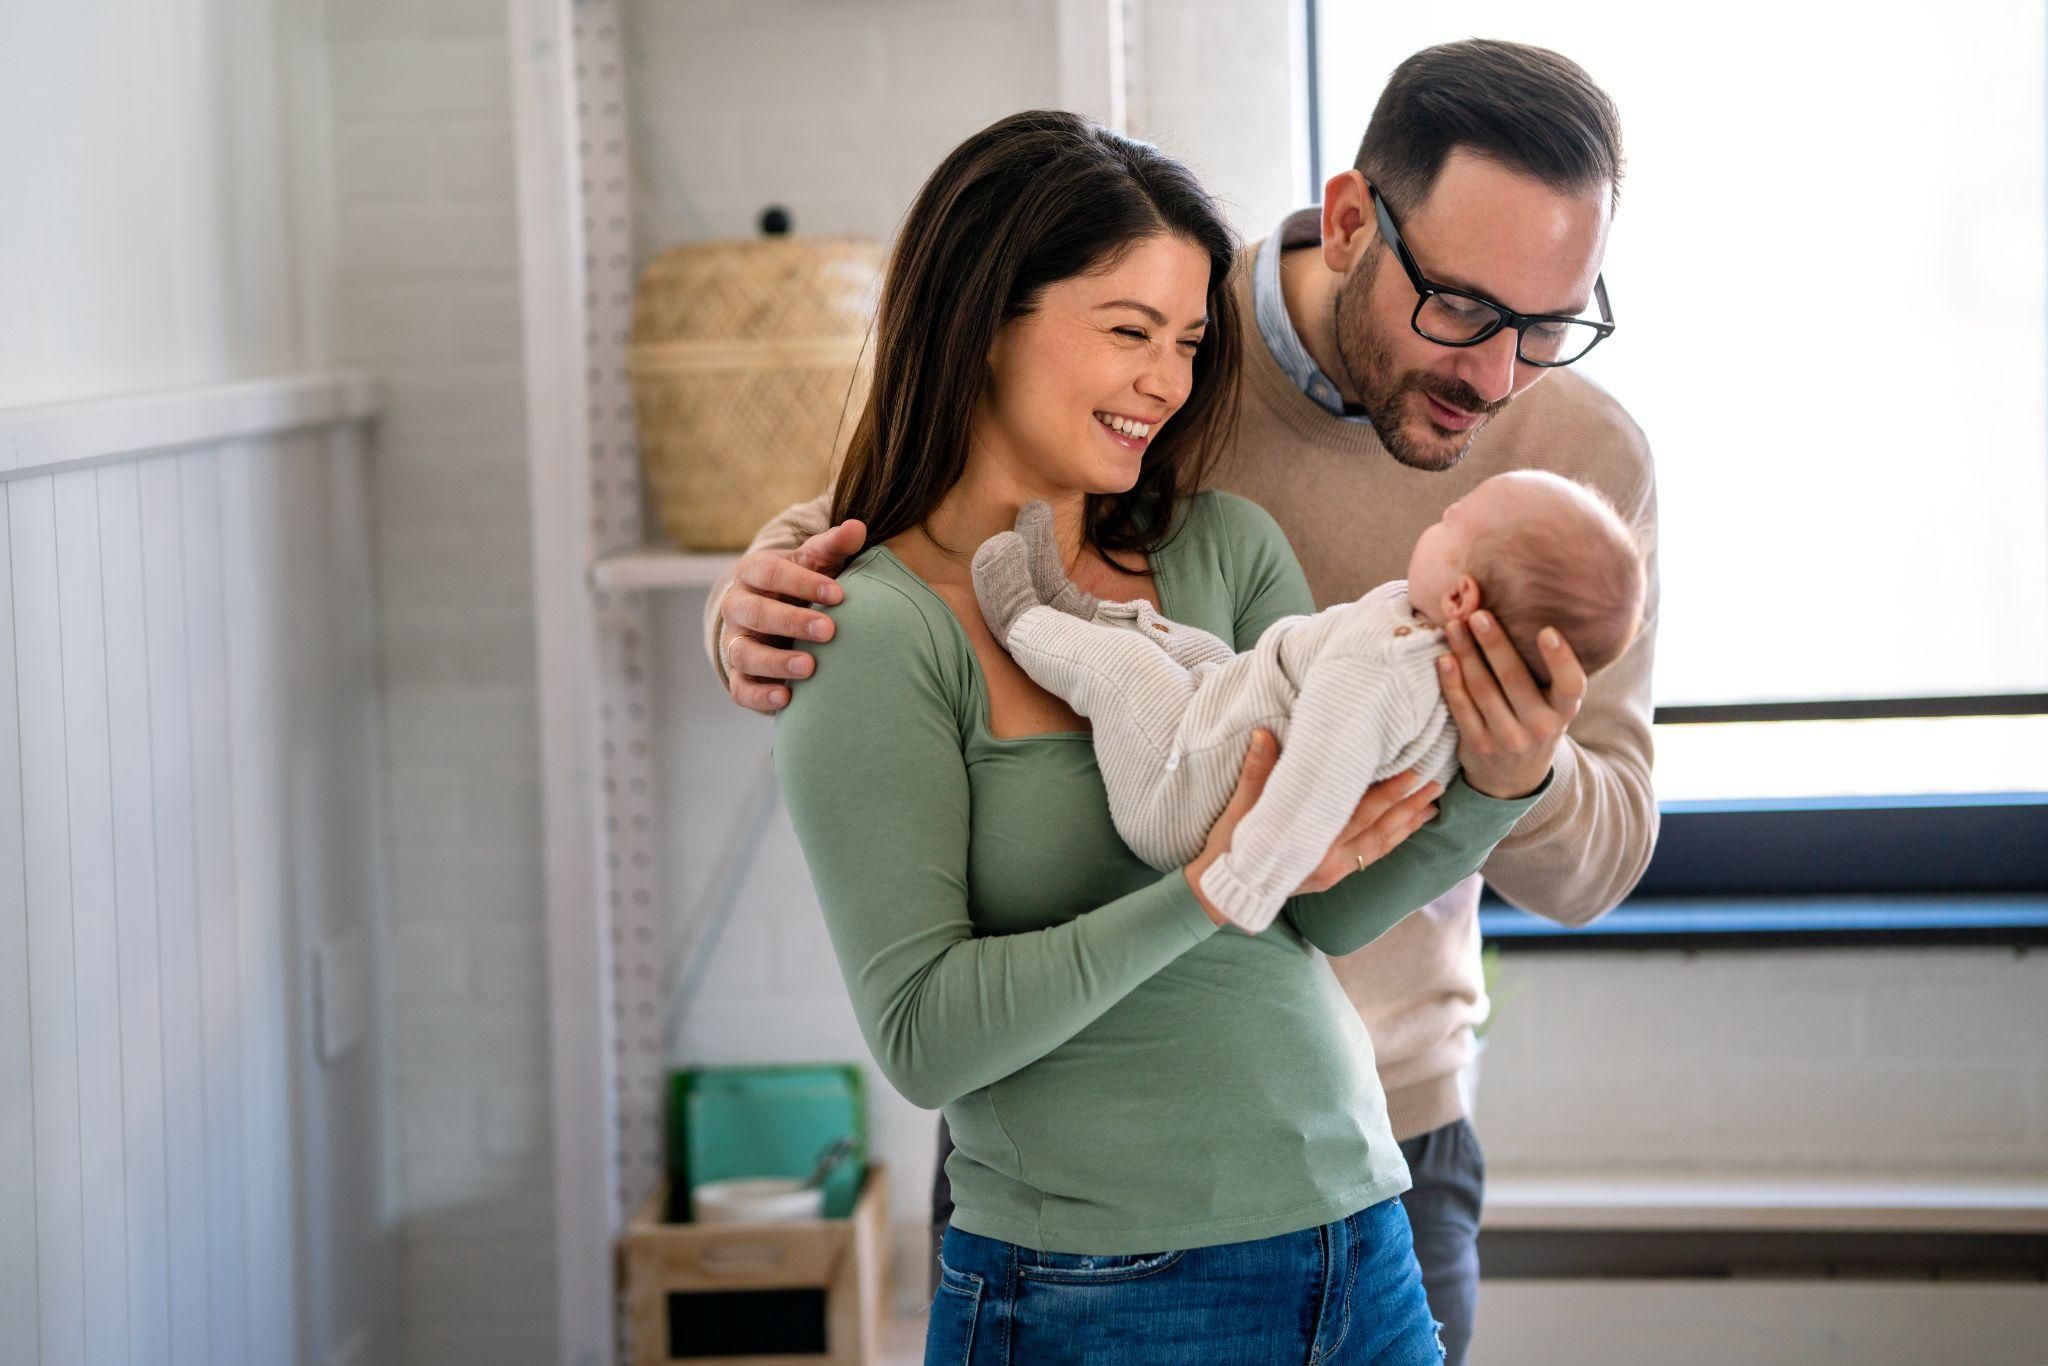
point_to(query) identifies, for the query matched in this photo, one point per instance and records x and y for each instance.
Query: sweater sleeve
(1268, 584)
(869, 753)
(1420, 869)
(787, 530)
(1587, 842)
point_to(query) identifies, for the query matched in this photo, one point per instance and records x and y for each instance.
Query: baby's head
(1535, 550)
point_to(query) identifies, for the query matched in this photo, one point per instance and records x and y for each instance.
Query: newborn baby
(1351, 692)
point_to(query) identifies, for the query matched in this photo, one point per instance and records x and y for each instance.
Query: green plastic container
(729, 1122)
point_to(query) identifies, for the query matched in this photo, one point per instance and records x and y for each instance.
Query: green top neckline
(984, 710)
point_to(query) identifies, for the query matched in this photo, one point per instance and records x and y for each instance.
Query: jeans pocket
(949, 1328)
(1073, 1268)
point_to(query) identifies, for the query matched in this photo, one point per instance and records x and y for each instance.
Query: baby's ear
(1464, 599)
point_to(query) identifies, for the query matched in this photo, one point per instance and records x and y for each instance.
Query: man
(1402, 332)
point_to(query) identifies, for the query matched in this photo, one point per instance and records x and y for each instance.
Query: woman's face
(1081, 385)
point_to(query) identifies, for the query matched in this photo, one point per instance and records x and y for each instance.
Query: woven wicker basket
(744, 363)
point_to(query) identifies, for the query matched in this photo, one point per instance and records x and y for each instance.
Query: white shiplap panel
(95, 940)
(17, 1080)
(135, 901)
(172, 778)
(46, 846)
(48, 438)
(263, 597)
(221, 970)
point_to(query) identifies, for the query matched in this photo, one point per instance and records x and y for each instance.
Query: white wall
(1222, 85)
(164, 219)
(839, 112)
(427, 264)
(1918, 1062)
(191, 735)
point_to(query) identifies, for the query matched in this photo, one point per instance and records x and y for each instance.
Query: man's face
(1485, 229)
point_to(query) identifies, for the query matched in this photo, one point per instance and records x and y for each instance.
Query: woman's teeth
(1138, 431)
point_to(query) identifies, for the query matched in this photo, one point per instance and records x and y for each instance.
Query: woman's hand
(1391, 811)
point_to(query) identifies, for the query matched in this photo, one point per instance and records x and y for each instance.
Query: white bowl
(757, 1199)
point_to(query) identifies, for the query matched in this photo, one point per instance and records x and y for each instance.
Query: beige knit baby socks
(1048, 575)
(1018, 570)
(1002, 583)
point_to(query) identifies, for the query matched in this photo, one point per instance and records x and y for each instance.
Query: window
(1854, 491)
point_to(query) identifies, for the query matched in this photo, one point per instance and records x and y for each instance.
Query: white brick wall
(836, 111)
(1909, 1060)
(429, 299)
(1214, 83)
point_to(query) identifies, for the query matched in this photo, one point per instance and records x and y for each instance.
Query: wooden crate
(709, 1281)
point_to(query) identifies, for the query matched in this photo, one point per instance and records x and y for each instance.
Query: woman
(1170, 1137)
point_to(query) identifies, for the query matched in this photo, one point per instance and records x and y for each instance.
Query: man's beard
(1368, 360)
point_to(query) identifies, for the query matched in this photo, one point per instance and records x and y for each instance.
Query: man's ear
(1464, 599)
(1349, 227)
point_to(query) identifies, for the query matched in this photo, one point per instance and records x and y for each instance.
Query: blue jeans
(1346, 1294)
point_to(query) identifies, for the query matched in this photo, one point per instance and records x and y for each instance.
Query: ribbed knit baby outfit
(1351, 693)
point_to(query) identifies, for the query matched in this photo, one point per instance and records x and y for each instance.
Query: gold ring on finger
(1361, 863)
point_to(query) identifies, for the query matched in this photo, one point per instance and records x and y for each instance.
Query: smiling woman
(1160, 300)
(1084, 382)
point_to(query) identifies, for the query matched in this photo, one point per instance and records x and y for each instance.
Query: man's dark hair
(1527, 108)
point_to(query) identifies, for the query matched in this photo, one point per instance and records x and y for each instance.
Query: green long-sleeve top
(1119, 1075)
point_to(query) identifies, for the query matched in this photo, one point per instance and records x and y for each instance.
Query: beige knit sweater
(1353, 513)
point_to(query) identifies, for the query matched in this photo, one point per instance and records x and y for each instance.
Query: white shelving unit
(643, 569)
(597, 719)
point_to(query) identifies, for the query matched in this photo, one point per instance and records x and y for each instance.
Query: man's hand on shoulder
(1508, 728)
(764, 616)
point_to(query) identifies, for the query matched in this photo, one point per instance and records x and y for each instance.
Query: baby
(1351, 692)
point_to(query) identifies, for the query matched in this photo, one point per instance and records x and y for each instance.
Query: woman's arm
(869, 755)
(1269, 585)
(1420, 869)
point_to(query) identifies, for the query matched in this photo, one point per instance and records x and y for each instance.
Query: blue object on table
(730, 1122)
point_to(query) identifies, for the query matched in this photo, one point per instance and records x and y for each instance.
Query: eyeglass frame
(1503, 316)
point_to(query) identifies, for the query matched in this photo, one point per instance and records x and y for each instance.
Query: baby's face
(1443, 554)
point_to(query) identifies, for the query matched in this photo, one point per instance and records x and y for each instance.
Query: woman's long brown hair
(1031, 200)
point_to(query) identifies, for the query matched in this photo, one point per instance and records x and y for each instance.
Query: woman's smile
(1133, 434)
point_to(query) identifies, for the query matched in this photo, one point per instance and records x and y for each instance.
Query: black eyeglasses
(1454, 317)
